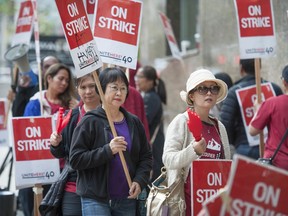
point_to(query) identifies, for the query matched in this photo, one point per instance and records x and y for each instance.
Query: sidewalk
(4, 176)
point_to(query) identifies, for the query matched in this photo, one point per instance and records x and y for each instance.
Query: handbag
(164, 200)
(51, 204)
(269, 161)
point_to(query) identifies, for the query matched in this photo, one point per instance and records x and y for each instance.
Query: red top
(273, 114)
(214, 150)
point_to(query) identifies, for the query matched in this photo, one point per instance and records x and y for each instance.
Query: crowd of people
(97, 180)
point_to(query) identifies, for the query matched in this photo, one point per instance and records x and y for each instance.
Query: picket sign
(116, 29)
(207, 177)
(83, 49)
(246, 97)
(252, 189)
(34, 164)
(256, 33)
(85, 54)
(24, 24)
(168, 30)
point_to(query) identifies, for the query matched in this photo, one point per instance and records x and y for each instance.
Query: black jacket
(90, 153)
(230, 114)
(22, 97)
(63, 149)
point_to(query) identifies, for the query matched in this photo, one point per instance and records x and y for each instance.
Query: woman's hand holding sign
(195, 127)
(194, 124)
(62, 122)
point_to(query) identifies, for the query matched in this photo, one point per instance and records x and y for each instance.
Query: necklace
(209, 126)
(212, 123)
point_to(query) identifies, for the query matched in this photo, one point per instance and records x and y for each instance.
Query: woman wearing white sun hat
(189, 133)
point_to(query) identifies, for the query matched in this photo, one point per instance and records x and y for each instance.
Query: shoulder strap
(280, 144)
(155, 133)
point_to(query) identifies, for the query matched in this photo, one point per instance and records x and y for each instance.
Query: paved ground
(4, 176)
(19, 213)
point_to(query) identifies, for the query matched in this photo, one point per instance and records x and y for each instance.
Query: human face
(115, 93)
(141, 82)
(59, 83)
(205, 94)
(87, 91)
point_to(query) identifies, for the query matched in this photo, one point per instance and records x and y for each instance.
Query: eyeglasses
(203, 90)
(115, 89)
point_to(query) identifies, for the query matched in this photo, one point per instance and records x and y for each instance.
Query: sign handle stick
(14, 80)
(37, 51)
(7, 113)
(95, 75)
(38, 196)
(40, 88)
(259, 100)
(127, 71)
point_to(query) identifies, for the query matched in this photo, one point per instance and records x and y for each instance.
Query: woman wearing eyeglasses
(94, 153)
(189, 138)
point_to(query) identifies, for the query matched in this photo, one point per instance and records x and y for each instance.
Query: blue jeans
(115, 207)
(249, 151)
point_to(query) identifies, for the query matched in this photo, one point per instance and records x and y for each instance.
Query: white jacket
(178, 150)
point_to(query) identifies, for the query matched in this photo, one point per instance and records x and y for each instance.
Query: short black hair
(285, 73)
(109, 75)
(225, 77)
(248, 65)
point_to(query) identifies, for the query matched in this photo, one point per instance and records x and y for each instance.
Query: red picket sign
(32, 138)
(207, 177)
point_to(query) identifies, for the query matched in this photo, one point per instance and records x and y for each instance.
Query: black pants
(71, 204)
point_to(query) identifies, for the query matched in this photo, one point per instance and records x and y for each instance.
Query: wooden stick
(40, 87)
(7, 113)
(38, 196)
(95, 75)
(14, 83)
(127, 72)
(259, 100)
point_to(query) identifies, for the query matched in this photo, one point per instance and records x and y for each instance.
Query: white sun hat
(199, 76)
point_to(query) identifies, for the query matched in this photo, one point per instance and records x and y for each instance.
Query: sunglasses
(203, 90)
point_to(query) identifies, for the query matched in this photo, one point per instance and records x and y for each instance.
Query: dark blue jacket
(230, 114)
(154, 113)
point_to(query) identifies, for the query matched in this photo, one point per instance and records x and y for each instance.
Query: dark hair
(80, 79)
(285, 73)
(70, 92)
(109, 75)
(150, 73)
(225, 78)
(50, 57)
(248, 65)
